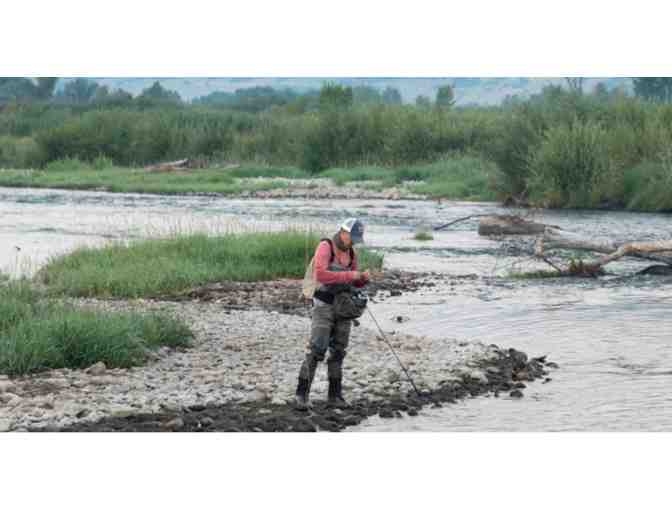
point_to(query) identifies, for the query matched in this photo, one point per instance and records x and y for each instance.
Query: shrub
(570, 165)
(19, 152)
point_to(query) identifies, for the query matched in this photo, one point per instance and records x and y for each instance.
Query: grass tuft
(38, 334)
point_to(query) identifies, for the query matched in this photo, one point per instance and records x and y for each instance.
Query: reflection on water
(611, 337)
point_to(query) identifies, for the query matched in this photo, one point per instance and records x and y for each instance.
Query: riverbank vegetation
(38, 333)
(559, 148)
(163, 267)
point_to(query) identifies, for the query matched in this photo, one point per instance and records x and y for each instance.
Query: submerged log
(497, 225)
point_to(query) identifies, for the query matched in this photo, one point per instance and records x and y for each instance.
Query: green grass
(250, 172)
(166, 266)
(74, 174)
(423, 236)
(458, 178)
(341, 176)
(38, 334)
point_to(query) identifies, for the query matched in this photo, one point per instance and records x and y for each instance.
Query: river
(610, 336)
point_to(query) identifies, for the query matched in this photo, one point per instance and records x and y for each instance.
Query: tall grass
(165, 266)
(38, 334)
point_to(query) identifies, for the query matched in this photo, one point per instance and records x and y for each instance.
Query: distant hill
(480, 91)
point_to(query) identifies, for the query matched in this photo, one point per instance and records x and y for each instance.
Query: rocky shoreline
(500, 371)
(241, 372)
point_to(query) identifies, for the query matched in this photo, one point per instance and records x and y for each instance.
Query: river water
(611, 337)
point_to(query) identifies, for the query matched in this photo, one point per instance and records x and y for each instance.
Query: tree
(45, 87)
(391, 96)
(653, 89)
(423, 102)
(364, 94)
(102, 94)
(575, 85)
(157, 94)
(335, 97)
(445, 97)
(601, 92)
(80, 91)
(17, 89)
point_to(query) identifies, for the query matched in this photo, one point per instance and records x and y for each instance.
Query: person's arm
(322, 273)
(364, 277)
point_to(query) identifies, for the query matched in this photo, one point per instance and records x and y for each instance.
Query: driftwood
(172, 166)
(458, 220)
(498, 225)
(660, 251)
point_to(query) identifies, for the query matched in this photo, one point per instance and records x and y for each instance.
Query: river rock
(10, 399)
(391, 376)
(5, 425)
(516, 394)
(97, 369)
(176, 424)
(123, 412)
(7, 387)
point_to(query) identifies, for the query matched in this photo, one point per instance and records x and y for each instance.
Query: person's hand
(362, 276)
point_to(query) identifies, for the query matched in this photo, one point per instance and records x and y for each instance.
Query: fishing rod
(410, 379)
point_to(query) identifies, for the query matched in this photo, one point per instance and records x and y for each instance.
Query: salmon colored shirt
(326, 277)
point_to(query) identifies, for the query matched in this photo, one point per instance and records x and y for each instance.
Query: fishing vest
(326, 293)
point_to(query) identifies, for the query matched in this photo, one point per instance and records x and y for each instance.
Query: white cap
(355, 228)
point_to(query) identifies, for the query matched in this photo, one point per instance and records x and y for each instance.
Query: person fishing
(335, 271)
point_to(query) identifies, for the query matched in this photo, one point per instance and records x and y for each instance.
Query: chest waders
(328, 332)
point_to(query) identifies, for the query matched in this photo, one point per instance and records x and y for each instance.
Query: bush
(570, 166)
(19, 152)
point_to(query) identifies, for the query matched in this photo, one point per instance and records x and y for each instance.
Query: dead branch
(459, 220)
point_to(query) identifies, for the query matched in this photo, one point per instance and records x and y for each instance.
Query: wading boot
(335, 397)
(302, 400)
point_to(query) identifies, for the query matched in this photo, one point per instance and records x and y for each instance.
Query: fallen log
(497, 225)
(556, 238)
(171, 166)
(660, 251)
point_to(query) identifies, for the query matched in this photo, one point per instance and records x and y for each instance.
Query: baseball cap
(356, 229)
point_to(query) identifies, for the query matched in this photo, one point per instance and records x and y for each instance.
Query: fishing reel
(360, 298)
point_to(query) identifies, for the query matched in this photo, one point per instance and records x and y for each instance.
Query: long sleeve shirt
(326, 277)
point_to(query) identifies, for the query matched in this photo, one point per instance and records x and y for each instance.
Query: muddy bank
(503, 371)
(285, 296)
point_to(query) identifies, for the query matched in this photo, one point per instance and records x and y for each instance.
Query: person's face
(345, 237)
